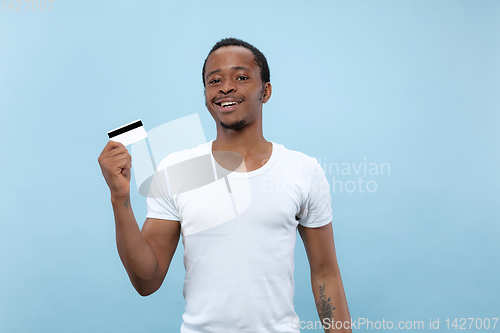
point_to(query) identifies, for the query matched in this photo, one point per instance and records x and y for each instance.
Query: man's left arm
(326, 281)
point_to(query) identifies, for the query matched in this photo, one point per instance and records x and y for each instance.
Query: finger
(122, 166)
(109, 162)
(113, 145)
(119, 157)
(112, 153)
(110, 146)
(126, 169)
(117, 151)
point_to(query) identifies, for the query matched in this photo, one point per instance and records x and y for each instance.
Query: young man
(239, 268)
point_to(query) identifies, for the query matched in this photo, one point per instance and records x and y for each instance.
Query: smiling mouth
(227, 104)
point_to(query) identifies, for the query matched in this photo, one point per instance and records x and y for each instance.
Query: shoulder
(301, 163)
(294, 156)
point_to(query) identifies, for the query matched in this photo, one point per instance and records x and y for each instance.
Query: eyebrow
(213, 72)
(235, 68)
(240, 67)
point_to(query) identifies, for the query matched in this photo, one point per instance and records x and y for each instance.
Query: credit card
(129, 133)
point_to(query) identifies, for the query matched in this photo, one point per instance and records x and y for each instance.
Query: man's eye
(242, 78)
(214, 81)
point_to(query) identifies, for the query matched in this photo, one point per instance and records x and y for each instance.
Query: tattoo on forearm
(324, 305)
(127, 203)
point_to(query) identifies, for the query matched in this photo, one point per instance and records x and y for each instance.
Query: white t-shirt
(239, 239)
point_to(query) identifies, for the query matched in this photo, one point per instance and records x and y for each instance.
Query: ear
(266, 94)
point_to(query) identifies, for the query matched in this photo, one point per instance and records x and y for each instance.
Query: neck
(248, 140)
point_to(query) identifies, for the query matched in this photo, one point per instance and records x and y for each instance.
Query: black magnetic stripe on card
(125, 129)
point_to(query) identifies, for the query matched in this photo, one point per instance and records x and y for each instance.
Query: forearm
(331, 302)
(136, 254)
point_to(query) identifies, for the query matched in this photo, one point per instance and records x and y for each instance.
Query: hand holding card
(116, 163)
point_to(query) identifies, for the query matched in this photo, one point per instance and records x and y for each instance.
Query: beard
(234, 126)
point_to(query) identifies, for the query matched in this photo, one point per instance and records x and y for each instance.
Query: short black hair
(260, 59)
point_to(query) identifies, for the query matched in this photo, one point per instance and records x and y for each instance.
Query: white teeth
(228, 103)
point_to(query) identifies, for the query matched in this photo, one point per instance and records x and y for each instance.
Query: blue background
(411, 83)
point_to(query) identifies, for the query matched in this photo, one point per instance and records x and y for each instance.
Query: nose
(227, 87)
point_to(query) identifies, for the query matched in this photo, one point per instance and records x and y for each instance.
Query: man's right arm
(145, 255)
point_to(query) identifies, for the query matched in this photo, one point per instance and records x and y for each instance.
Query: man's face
(234, 92)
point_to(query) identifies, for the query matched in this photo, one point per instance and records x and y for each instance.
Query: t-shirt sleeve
(316, 211)
(159, 201)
